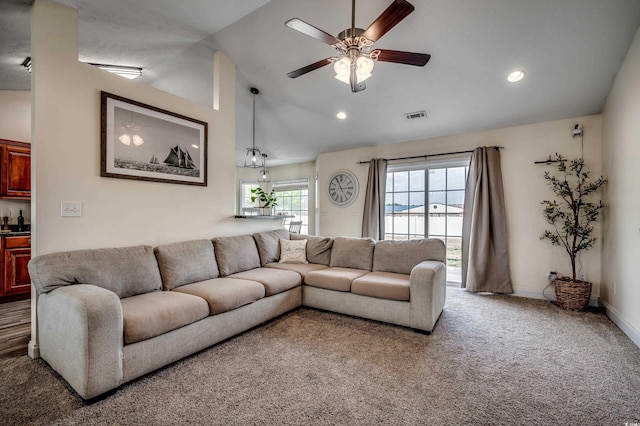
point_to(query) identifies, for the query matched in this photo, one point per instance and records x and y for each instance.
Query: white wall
(291, 171)
(188, 74)
(15, 124)
(15, 115)
(524, 185)
(621, 152)
(66, 161)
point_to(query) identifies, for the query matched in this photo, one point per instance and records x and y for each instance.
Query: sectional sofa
(108, 316)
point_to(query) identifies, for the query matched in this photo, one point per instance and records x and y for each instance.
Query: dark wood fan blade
(355, 87)
(311, 31)
(395, 13)
(309, 68)
(408, 58)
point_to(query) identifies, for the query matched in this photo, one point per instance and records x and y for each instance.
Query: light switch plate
(70, 208)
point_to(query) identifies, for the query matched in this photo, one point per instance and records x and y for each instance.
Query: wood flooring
(15, 327)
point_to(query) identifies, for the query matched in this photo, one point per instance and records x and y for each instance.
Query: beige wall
(15, 124)
(621, 152)
(15, 115)
(531, 259)
(66, 166)
(291, 171)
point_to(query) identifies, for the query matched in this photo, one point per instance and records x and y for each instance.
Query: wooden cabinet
(15, 169)
(15, 255)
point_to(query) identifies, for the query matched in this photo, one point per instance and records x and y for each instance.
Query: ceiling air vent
(415, 115)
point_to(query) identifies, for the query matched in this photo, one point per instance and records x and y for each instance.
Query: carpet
(491, 359)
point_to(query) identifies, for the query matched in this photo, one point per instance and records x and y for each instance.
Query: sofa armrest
(427, 296)
(81, 337)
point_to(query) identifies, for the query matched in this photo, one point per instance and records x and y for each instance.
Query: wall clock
(343, 188)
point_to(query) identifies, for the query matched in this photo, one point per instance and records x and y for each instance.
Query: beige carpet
(491, 360)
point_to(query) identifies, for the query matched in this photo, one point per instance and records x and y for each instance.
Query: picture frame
(142, 142)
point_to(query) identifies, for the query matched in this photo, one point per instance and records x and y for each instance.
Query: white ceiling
(570, 50)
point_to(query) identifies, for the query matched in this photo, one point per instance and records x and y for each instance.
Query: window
(427, 201)
(245, 195)
(293, 199)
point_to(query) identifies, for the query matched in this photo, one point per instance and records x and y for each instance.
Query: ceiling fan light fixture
(515, 76)
(342, 69)
(364, 66)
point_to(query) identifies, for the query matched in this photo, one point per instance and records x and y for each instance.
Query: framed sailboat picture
(143, 142)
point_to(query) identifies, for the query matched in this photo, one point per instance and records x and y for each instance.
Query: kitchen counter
(14, 233)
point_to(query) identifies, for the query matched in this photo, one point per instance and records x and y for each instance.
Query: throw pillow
(293, 251)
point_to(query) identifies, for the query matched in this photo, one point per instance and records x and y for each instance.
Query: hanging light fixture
(254, 157)
(264, 173)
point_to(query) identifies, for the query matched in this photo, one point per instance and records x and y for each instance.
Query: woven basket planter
(572, 295)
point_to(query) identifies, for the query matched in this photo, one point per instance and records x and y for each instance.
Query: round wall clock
(343, 188)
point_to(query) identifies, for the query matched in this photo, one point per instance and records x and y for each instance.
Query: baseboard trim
(33, 350)
(622, 324)
(537, 294)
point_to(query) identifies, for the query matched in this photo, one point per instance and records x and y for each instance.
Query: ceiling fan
(355, 59)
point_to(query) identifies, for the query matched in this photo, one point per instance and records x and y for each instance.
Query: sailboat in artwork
(179, 157)
(154, 160)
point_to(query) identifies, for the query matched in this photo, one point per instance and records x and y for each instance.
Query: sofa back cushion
(126, 271)
(401, 256)
(186, 262)
(236, 254)
(318, 248)
(356, 253)
(268, 244)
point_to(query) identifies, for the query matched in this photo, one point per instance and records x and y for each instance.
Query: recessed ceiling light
(341, 115)
(515, 76)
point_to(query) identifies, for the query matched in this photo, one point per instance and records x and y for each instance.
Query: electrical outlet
(551, 276)
(582, 276)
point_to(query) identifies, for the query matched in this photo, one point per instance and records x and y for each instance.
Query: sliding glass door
(427, 201)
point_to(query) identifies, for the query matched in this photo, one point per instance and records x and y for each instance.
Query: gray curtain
(373, 218)
(485, 256)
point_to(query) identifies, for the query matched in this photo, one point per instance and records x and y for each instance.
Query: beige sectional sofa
(108, 316)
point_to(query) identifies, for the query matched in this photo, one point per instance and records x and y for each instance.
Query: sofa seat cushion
(301, 268)
(224, 294)
(152, 314)
(334, 278)
(383, 285)
(274, 280)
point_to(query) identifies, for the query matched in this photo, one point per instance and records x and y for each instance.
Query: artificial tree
(572, 214)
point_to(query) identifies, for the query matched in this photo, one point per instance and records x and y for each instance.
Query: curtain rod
(428, 155)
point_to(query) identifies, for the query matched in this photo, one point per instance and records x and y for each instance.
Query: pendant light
(264, 173)
(254, 157)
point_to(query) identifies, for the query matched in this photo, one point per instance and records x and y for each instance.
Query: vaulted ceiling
(570, 50)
